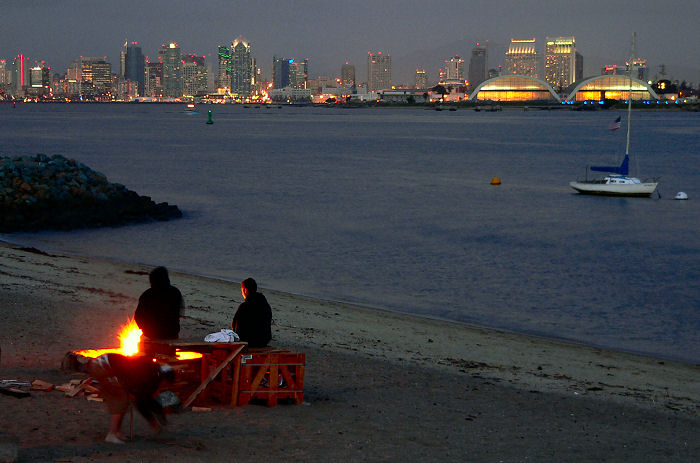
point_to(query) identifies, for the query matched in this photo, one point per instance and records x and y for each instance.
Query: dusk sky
(417, 34)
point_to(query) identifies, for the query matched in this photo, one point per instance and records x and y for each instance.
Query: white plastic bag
(224, 335)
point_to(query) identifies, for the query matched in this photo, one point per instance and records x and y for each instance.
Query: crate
(270, 375)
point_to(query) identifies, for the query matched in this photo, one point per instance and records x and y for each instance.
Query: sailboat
(618, 182)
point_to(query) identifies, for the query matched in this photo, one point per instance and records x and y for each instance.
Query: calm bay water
(392, 208)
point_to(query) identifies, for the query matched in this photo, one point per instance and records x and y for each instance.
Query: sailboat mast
(629, 94)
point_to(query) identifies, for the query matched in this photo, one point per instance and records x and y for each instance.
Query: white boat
(191, 109)
(618, 182)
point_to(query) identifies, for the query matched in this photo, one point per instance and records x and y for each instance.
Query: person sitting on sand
(122, 379)
(253, 319)
(160, 307)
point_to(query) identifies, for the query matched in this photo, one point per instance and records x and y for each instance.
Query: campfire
(129, 338)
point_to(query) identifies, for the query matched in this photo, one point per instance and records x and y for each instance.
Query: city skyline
(415, 34)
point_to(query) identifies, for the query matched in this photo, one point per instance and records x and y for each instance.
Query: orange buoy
(496, 181)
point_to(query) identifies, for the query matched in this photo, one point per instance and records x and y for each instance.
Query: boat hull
(603, 189)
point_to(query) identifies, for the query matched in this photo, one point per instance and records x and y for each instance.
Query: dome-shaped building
(611, 87)
(514, 88)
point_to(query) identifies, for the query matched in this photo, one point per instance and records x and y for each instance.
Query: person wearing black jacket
(253, 319)
(160, 307)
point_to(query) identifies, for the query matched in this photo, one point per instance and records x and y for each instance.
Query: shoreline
(379, 386)
(468, 325)
(525, 360)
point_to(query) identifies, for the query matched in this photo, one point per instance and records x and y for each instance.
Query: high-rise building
(560, 62)
(135, 66)
(194, 75)
(96, 76)
(241, 67)
(454, 69)
(378, 71)
(478, 65)
(579, 67)
(20, 74)
(280, 72)
(223, 74)
(153, 84)
(4, 75)
(522, 58)
(421, 79)
(298, 73)
(347, 75)
(171, 58)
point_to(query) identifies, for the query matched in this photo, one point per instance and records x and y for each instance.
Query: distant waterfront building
(135, 66)
(522, 58)
(242, 68)
(454, 69)
(280, 72)
(478, 64)
(347, 75)
(579, 67)
(560, 62)
(421, 79)
(194, 75)
(96, 76)
(514, 88)
(612, 87)
(298, 73)
(154, 79)
(20, 74)
(4, 75)
(171, 58)
(378, 71)
(223, 73)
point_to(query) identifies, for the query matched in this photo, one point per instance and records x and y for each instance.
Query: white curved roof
(527, 83)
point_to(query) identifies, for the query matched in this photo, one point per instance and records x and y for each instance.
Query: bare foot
(113, 439)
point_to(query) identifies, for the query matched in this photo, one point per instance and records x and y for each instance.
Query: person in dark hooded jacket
(253, 319)
(160, 307)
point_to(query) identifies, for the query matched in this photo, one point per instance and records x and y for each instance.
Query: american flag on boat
(616, 124)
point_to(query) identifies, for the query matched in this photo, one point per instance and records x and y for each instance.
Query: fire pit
(196, 365)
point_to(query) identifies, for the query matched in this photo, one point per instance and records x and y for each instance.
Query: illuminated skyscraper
(241, 68)
(135, 66)
(223, 74)
(20, 74)
(560, 62)
(421, 79)
(347, 75)
(154, 79)
(378, 71)
(478, 64)
(454, 69)
(171, 58)
(194, 75)
(4, 75)
(298, 73)
(96, 76)
(522, 58)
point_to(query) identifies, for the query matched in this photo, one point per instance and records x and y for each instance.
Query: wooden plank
(237, 350)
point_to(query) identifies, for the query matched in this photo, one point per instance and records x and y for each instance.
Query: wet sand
(379, 386)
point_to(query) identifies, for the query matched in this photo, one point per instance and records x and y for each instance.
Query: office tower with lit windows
(171, 58)
(421, 79)
(378, 71)
(20, 74)
(454, 69)
(522, 58)
(298, 73)
(135, 66)
(96, 76)
(560, 62)
(223, 73)
(153, 83)
(478, 65)
(241, 67)
(4, 75)
(347, 75)
(194, 75)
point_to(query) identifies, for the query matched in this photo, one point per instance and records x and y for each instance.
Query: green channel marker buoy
(209, 121)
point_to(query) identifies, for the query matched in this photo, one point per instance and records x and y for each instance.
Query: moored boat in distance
(618, 182)
(191, 109)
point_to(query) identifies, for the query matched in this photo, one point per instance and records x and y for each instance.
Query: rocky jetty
(56, 193)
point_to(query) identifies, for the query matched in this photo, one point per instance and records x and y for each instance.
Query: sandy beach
(379, 386)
